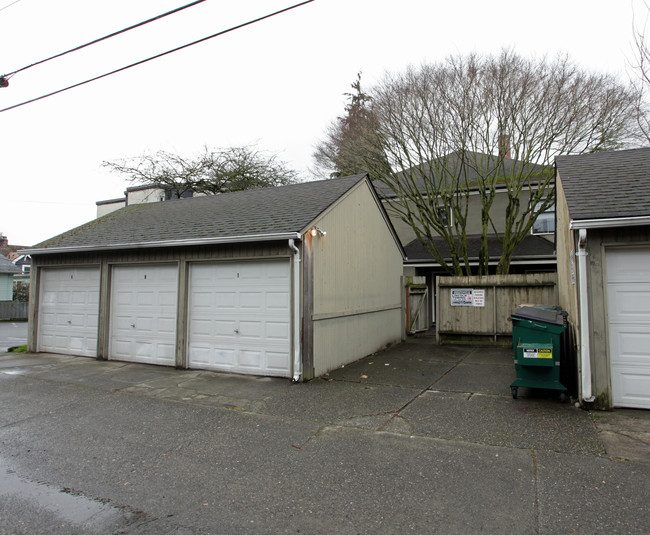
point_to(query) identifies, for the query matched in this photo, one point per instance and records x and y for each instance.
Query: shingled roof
(606, 185)
(531, 248)
(465, 171)
(6, 266)
(237, 216)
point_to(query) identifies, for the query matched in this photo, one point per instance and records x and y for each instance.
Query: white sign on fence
(467, 297)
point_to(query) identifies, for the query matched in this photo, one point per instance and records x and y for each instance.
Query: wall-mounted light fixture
(315, 231)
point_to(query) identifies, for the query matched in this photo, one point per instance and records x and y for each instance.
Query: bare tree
(474, 124)
(642, 68)
(210, 172)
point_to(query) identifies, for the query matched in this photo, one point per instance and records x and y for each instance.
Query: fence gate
(417, 293)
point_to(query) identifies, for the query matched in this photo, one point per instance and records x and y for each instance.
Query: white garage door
(628, 297)
(239, 317)
(143, 314)
(68, 311)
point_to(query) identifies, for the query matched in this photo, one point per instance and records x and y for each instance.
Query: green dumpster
(536, 341)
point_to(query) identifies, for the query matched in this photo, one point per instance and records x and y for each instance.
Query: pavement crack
(405, 420)
(303, 445)
(434, 382)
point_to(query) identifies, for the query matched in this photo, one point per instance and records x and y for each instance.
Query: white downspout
(297, 360)
(585, 357)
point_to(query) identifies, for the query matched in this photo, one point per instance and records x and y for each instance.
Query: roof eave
(610, 222)
(523, 259)
(277, 236)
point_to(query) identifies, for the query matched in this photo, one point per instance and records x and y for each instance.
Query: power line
(158, 17)
(9, 5)
(158, 55)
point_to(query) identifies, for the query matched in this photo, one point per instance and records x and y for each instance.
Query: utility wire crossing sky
(4, 79)
(276, 85)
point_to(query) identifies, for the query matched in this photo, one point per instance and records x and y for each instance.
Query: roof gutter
(609, 222)
(280, 236)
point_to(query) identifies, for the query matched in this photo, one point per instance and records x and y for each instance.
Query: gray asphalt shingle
(606, 184)
(229, 215)
(531, 246)
(6, 266)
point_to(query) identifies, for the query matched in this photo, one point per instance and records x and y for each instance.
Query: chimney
(4, 241)
(504, 146)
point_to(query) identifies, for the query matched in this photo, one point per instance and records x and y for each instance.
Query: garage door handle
(133, 325)
(236, 331)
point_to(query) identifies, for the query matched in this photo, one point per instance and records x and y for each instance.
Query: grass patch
(18, 349)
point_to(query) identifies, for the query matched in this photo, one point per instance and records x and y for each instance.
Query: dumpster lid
(543, 315)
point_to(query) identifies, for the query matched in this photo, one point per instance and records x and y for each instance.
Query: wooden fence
(478, 308)
(417, 318)
(13, 310)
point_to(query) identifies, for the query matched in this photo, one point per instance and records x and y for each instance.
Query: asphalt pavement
(418, 438)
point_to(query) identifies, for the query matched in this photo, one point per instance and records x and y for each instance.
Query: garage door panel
(632, 386)
(227, 301)
(69, 310)
(120, 348)
(275, 361)
(251, 358)
(248, 319)
(277, 331)
(144, 299)
(628, 307)
(224, 328)
(79, 320)
(629, 302)
(627, 265)
(143, 313)
(202, 328)
(252, 300)
(203, 299)
(167, 326)
(630, 344)
(207, 357)
(277, 301)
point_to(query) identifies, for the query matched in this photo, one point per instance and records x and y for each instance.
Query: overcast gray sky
(277, 83)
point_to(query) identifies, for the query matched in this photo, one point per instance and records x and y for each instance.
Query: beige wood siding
(567, 267)
(474, 225)
(356, 282)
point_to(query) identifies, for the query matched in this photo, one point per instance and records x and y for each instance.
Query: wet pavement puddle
(93, 516)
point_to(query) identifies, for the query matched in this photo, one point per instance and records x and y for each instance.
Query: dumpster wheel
(514, 390)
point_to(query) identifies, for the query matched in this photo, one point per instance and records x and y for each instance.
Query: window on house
(444, 215)
(545, 223)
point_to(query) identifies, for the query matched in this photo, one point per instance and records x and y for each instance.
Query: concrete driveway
(419, 438)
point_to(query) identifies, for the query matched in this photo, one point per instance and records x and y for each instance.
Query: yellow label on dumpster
(538, 353)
